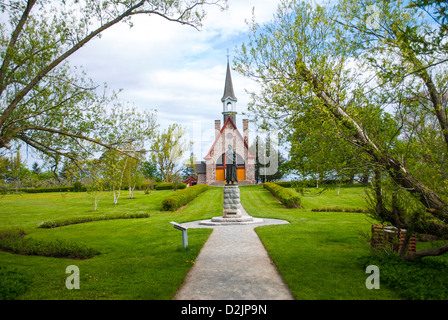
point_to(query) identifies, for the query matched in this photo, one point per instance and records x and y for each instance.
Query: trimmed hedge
(81, 188)
(181, 198)
(169, 186)
(286, 184)
(14, 241)
(51, 189)
(76, 220)
(310, 183)
(289, 198)
(339, 209)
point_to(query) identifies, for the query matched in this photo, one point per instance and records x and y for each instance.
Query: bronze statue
(231, 165)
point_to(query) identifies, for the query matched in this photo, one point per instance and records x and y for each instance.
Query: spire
(228, 89)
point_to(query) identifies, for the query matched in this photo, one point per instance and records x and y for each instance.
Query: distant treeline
(310, 183)
(81, 188)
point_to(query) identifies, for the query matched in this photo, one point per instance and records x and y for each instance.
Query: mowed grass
(317, 253)
(140, 258)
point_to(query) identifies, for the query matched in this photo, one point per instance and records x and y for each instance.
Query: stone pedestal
(231, 202)
(232, 210)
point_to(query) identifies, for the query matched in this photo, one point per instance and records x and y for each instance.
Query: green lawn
(140, 258)
(317, 253)
(350, 197)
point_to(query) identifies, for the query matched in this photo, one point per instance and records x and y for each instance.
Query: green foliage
(76, 220)
(169, 186)
(289, 198)
(339, 209)
(285, 184)
(13, 282)
(359, 87)
(310, 183)
(149, 170)
(169, 146)
(181, 198)
(53, 189)
(55, 109)
(417, 280)
(77, 186)
(14, 241)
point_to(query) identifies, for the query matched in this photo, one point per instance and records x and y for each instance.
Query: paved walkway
(234, 265)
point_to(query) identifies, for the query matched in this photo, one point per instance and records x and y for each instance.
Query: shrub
(77, 187)
(422, 279)
(148, 185)
(169, 186)
(287, 197)
(181, 198)
(47, 189)
(285, 184)
(75, 220)
(14, 241)
(13, 282)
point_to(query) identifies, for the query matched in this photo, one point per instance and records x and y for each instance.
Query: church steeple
(228, 99)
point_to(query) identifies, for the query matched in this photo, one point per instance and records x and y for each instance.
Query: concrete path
(234, 265)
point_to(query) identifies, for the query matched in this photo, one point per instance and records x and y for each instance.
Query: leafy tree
(35, 168)
(46, 103)
(371, 90)
(263, 155)
(149, 170)
(168, 149)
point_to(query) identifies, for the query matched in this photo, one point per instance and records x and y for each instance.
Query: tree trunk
(427, 252)
(131, 192)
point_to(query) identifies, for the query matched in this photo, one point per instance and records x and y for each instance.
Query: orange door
(241, 174)
(220, 174)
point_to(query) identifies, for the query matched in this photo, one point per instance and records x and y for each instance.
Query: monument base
(229, 220)
(232, 219)
(220, 221)
(233, 212)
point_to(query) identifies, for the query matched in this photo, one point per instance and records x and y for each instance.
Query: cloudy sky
(176, 69)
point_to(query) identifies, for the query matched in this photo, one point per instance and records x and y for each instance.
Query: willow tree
(360, 69)
(45, 102)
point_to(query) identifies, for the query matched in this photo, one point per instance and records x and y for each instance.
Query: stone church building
(212, 170)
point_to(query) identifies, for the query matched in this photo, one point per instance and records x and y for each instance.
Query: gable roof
(228, 88)
(229, 120)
